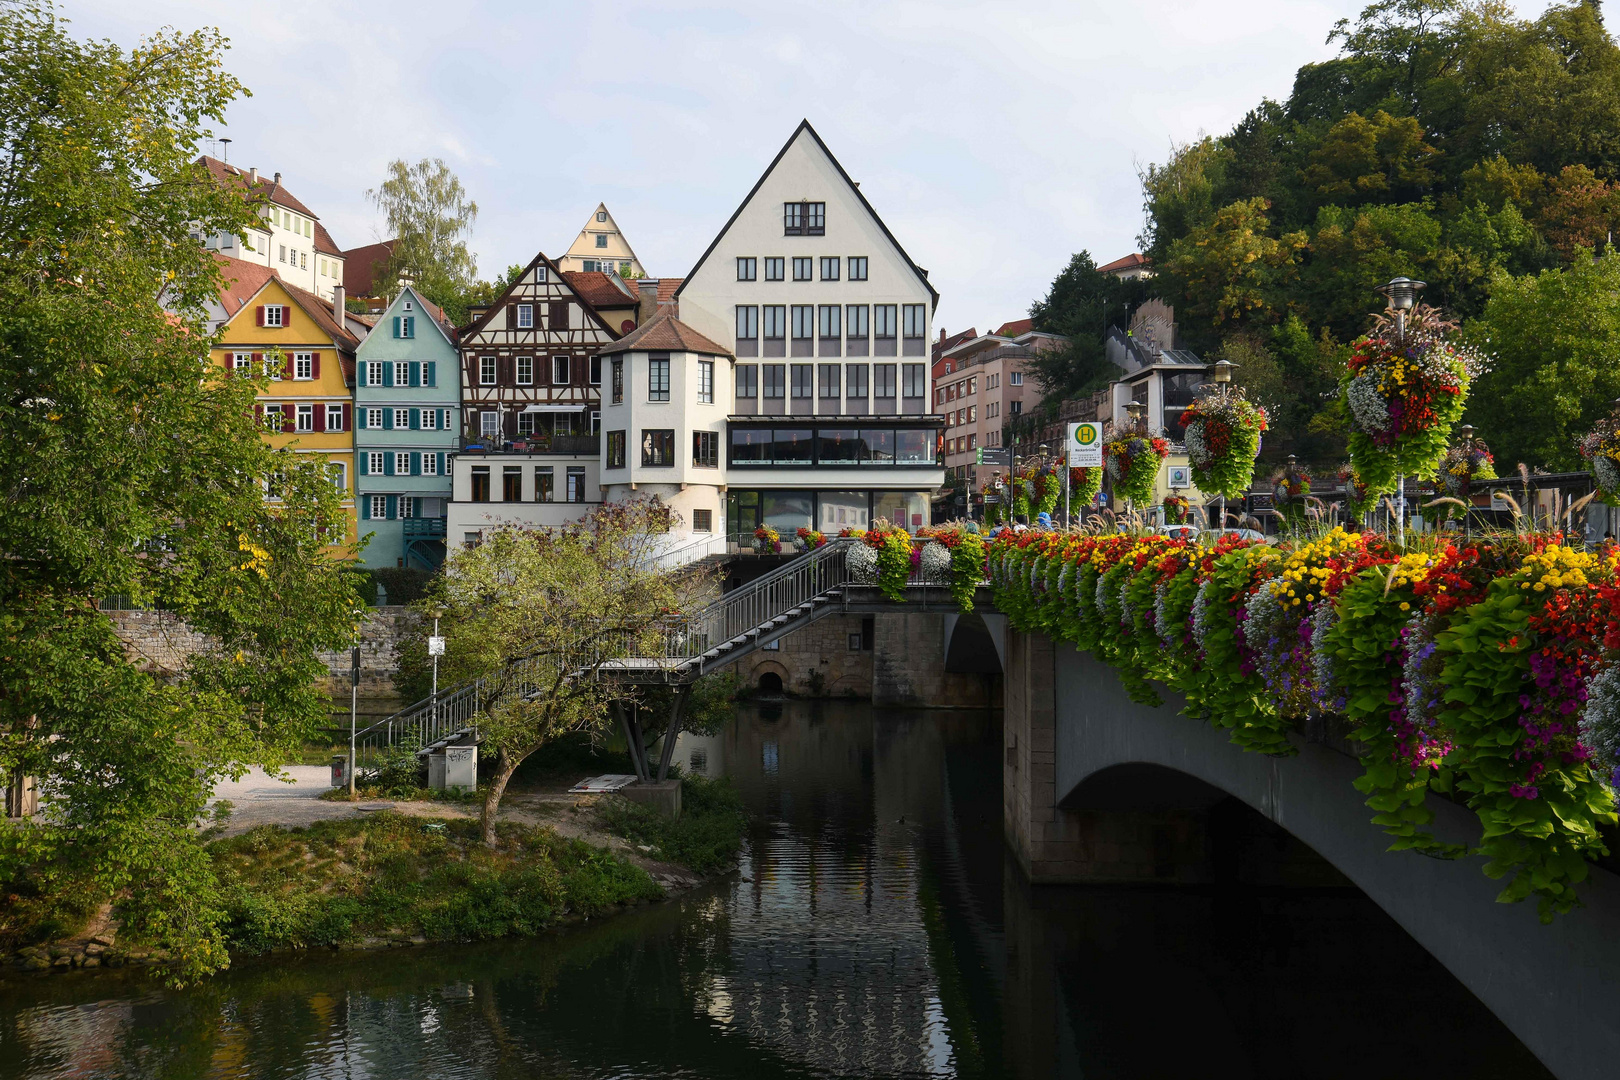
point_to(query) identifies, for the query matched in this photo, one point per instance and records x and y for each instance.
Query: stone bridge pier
(1100, 789)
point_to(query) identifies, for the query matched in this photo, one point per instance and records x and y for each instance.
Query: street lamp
(1401, 295)
(1135, 409)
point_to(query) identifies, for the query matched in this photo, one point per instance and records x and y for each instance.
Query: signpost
(1082, 449)
(354, 709)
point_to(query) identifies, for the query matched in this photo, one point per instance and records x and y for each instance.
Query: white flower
(862, 564)
(935, 563)
(1367, 405)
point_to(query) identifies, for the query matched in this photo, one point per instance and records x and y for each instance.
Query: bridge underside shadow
(1098, 788)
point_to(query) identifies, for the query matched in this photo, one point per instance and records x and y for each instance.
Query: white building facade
(290, 238)
(830, 420)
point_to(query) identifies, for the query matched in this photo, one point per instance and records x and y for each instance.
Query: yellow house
(306, 346)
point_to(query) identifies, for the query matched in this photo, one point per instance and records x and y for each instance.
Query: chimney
(647, 291)
(337, 303)
(278, 178)
(942, 335)
(253, 176)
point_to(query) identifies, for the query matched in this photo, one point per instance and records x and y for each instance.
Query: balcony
(424, 527)
(590, 445)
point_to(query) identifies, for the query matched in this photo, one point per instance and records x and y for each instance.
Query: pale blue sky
(995, 139)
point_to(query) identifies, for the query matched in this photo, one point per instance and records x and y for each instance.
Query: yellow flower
(1405, 606)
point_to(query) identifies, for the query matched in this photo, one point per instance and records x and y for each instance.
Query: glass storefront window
(751, 444)
(879, 445)
(787, 512)
(914, 447)
(839, 445)
(908, 509)
(843, 510)
(793, 446)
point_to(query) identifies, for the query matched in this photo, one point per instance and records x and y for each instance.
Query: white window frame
(242, 361)
(705, 387)
(486, 371)
(430, 419)
(334, 417)
(402, 463)
(275, 314)
(374, 418)
(561, 365)
(489, 424)
(379, 507)
(375, 462)
(525, 371)
(339, 472)
(1016, 378)
(303, 366)
(402, 419)
(430, 463)
(374, 372)
(304, 418)
(525, 316)
(402, 373)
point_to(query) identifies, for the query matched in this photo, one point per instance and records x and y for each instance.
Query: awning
(554, 408)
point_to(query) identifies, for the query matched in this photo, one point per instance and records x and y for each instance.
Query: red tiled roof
(242, 280)
(324, 242)
(667, 287)
(321, 311)
(1134, 259)
(598, 289)
(940, 347)
(664, 332)
(1015, 328)
(266, 188)
(361, 266)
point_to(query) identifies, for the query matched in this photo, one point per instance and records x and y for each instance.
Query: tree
(132, 467)
(1364, 159)
(429, 215)
(1232, 271)
(1554, 337)
(538, 614)
(1081, 303)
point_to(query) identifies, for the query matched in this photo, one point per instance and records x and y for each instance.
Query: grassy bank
(390, 877)
(706, 837)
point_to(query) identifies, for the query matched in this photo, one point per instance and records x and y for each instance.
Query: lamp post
(354, 694)
(1466, 433)
(1401, 295)
(1223, 380)
(1134, 408)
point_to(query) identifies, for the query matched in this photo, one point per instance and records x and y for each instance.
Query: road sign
(1003, 456)
(435, 646)
(1084, 444)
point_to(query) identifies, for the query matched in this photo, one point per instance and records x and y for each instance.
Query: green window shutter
(359, 418)
(365, 509)
(416, 373)
(393, 507)
(410, 326)
(388, 419)
(416, 463)
(388, 374)
(441, 463)
(396, 326)
(416, 419)
(359, 372)
(429, 377)
(388, 464)
(365, 460)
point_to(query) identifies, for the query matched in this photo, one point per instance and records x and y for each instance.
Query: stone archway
(770, 684)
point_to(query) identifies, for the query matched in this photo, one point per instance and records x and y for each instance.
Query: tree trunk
(505, 766)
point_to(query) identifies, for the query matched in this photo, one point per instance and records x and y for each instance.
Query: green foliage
(706, 837)
(1553, 336)
(133, 468)
(429, 216)
(1080, 305)
(386, 875)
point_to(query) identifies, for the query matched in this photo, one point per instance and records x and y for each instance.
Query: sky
(995, 139)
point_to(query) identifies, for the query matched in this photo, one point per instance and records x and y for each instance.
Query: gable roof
(361, 266)
(500, 301)
(1129, 262)
(266, 188)
(804, 125)
(435, 314)
(668, 287)
(1015, 328)
(242, 281)
(599, 289)
(601, 208)
(324, 242)
(665, 333)
(946, 343)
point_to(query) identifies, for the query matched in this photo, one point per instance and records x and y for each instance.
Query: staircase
(687, 647)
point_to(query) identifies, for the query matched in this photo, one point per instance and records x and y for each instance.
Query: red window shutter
(258, 415)
(348, 417)
(258, 313)
(320, 417)
(511, 316)
(287, 368)
(288, 413)
(314, 365)
(258, 365)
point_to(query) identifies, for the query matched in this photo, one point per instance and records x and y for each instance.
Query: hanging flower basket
(767, 541)
(1404, 396)
(1358, 499)
(1463, 464)
(1177, 509)
(1133, 465)
(1289, 486)
(1601, 449)
(1084, 483)
(1223, 439)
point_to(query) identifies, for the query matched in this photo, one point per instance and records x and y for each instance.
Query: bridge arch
(1077, 745)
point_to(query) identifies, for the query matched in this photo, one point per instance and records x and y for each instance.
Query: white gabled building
(830, 420)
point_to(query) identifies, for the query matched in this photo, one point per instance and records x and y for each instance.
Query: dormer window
(601, 215)
(804, 218)
(408, 306)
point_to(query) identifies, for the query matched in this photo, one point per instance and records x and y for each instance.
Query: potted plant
(767, 541)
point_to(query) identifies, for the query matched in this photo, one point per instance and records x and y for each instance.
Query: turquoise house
(407, 422)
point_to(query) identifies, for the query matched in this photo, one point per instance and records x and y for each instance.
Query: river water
(876, 927)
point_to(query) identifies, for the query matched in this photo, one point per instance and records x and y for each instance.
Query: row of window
(803, 267)
(544, 488)
(399, 373)
(488, 423)
(992, 409)
(521, 370)
(832, 446)
(839, 328)
(606, 266)
(774, 380)
(658, 448)
(658, 380)
(406, 419)
(969, 386)
(402, 463)
(290, 416)
(298, 366)
(523, 316)
(962, 444)
(402, 506)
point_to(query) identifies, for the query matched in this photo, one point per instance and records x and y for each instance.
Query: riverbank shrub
(706, 837)
(391, 876)
(1462, 670)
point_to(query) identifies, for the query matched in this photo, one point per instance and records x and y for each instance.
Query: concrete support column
(908, 665)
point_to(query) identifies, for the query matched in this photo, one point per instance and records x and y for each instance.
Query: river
(876, 927)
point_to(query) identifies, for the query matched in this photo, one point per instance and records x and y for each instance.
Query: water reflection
(875, 928)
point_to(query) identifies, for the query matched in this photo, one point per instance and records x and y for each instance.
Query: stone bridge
(1100, 789)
